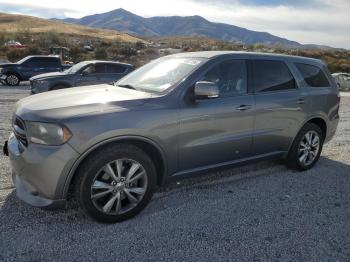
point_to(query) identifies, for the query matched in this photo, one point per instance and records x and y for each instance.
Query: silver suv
(110, 146)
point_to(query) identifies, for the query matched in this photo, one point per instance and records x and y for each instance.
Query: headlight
(47, 134)
(41, 82)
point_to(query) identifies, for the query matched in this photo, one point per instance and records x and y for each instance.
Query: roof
(215, 54)
(337, 74)
(110, 62)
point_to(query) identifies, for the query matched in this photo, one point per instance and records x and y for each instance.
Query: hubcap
(309, 148)
(119, 186)
(12, 79)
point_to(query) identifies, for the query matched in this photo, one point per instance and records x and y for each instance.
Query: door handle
(301, 101)
(244, 107)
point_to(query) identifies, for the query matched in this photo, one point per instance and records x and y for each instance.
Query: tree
(101, 54)
(140, 45)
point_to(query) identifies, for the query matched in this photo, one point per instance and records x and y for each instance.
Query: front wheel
(306, 148)
(115, 183)
(12, 80)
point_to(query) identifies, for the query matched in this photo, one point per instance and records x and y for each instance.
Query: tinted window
(115, 69)
(230, 76)
(51, 61)
(272, 76)
(100, 68)
(42, 61)
(313, 75)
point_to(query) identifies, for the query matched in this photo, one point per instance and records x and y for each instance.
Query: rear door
(281, 105)
(49, 64)
(217, 131)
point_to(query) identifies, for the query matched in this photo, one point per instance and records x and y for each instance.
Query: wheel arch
(149, 146)
(13, 72)
(317, 120)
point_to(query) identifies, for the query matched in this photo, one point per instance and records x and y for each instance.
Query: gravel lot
(261, 212)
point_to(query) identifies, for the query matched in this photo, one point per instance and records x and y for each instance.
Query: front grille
(19, 129)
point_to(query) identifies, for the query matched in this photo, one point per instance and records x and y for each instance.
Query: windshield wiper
(128, 87)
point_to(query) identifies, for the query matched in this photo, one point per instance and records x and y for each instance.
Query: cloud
(35, 10)
(294, 3)
(326, 22)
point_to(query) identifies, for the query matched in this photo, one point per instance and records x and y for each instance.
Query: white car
(342, 80)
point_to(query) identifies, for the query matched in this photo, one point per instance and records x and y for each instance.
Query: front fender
(80, 159)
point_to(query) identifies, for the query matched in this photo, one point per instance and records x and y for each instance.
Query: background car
(342, 80)
(13, 73)
(81, 74)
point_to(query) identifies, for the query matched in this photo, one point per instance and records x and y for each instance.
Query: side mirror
(206, 90)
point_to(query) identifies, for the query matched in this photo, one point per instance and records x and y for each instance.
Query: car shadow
(13, 212)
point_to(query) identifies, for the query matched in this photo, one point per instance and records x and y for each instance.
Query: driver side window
(230, 77)
(89, 70)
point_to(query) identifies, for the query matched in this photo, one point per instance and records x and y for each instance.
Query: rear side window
(313, 75)
(115, 69)
(272, 76)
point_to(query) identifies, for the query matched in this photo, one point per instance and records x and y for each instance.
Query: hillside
(126, 21)
(10, 23)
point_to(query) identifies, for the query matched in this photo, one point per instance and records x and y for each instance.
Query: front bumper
(40, 172)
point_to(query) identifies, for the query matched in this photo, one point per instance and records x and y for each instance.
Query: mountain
(123, 20)
(12, 23)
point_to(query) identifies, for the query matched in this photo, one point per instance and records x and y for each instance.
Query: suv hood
(48, 75)
(79, 101)
(7, 65)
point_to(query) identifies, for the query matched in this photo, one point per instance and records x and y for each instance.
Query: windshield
(74, 69)
(159, 75)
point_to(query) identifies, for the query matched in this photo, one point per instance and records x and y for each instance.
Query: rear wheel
(12, 80)
(116, 183)
(306, 148)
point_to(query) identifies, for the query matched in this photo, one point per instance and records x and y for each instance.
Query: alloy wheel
(12, 80)
(119, 186)
(309, 148)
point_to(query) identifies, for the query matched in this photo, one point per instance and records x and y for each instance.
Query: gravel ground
(260, 212)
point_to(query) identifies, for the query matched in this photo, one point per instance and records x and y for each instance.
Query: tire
(301, 147)
(12, 80)
(107, 199)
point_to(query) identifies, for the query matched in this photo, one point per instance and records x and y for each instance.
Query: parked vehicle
(342, 80)
(63, 53)
(81, 74)
(183, 114)
(15, 44)
(13, 73)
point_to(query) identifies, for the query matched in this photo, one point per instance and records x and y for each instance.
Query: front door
(217, 131)
(90, 75)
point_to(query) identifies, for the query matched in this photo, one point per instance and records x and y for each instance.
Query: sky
(323, 22)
